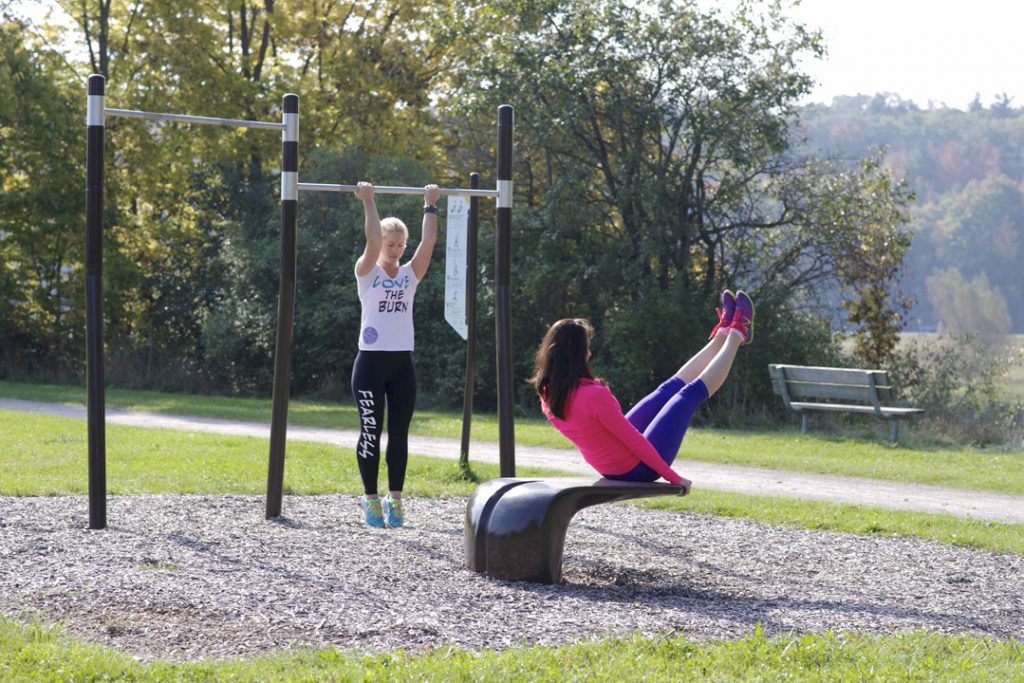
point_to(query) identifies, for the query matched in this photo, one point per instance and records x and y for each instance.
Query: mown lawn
(787, 449)
(47, 456)
(32, 653)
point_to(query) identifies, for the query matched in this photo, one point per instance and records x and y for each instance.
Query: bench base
(515, 528)
(892, 414)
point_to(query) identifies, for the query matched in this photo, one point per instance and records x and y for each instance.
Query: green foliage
(41, 279)
(652, 150)
(654, 167)
(966, 170)
(869, 265)
(957, 379)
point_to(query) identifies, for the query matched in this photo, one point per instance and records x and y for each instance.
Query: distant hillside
(966, 267)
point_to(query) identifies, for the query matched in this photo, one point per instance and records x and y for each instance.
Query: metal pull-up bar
(502, 306)
(188, 118)
(96, 113)
(388, 189)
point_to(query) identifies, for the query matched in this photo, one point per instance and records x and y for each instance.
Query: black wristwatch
(429, 208)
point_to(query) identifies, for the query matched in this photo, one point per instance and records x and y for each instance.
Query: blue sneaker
(372, 512)
(395, 511)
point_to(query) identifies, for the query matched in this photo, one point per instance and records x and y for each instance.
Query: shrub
(957, 379)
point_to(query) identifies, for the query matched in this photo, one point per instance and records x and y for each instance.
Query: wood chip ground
(187, 577)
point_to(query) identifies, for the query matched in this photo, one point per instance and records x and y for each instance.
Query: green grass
(301, 412)
(30, 652)
(969, 468)
(46, 456)
(857, 519)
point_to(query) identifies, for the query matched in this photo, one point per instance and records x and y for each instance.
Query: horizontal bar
(384, 189)
(185, 118)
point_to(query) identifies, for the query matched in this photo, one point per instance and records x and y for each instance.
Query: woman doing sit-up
(641, 445)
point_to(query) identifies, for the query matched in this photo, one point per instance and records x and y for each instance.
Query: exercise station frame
(97, 113)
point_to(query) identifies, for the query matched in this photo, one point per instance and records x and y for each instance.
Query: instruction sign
(455, 265)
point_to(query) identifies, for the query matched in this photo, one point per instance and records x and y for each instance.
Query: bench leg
(803, 422)
(478, 516)
(515, 528)
(519, 532)
(895, 430)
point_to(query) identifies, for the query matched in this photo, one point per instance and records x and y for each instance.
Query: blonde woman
(383, 375)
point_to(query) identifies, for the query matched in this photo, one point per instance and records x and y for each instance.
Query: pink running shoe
(725, 313)
(743, 318)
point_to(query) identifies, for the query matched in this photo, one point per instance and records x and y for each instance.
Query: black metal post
(471, 272)
(503, 300)
(95, 375)
(285, 304)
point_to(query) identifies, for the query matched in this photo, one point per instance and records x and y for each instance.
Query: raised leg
(714, 374)
(692, 368)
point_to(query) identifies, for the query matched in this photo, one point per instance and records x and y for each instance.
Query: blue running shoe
(725, 313)
(395, 511)
(743, 319)
(372, 512)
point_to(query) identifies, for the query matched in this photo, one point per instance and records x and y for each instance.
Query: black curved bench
(515, 528)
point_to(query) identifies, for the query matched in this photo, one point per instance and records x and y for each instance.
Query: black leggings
(382, 378)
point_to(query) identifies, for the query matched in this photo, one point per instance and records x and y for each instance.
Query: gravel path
(183, 577)
(998, 507)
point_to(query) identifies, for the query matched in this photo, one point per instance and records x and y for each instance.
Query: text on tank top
(386, 320)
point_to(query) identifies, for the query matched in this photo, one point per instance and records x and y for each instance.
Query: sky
(940, 51)
(944, 51)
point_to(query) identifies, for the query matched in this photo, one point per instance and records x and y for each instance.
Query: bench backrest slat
(799, 391)
(795, 382)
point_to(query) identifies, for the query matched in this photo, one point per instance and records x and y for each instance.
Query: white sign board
(455, 265)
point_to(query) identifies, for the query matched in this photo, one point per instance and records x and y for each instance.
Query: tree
(40, 239)
(180, 197)
(869, 210)
(656, 166)
(968, 307)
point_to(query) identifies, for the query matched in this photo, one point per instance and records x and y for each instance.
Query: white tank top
(386, 322)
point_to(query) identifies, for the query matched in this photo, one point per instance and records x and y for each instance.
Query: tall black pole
(285, 304)
(503, 300)
(95, 375)
(471, 271)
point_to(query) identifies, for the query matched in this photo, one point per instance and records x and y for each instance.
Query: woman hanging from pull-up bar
(642, 445)
(383, 374)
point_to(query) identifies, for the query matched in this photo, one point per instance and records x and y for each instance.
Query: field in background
(1013, 382)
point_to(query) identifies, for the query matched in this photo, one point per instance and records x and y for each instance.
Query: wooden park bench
(805, 389)
(515, 528)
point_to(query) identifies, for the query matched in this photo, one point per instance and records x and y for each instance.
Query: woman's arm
(421, 259)
(371, 225)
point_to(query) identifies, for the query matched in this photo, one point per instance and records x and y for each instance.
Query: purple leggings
(663, 417)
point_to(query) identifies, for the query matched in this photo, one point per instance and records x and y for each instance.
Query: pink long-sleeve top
(606, 439)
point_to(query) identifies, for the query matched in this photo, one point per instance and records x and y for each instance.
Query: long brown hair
(562, 360)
